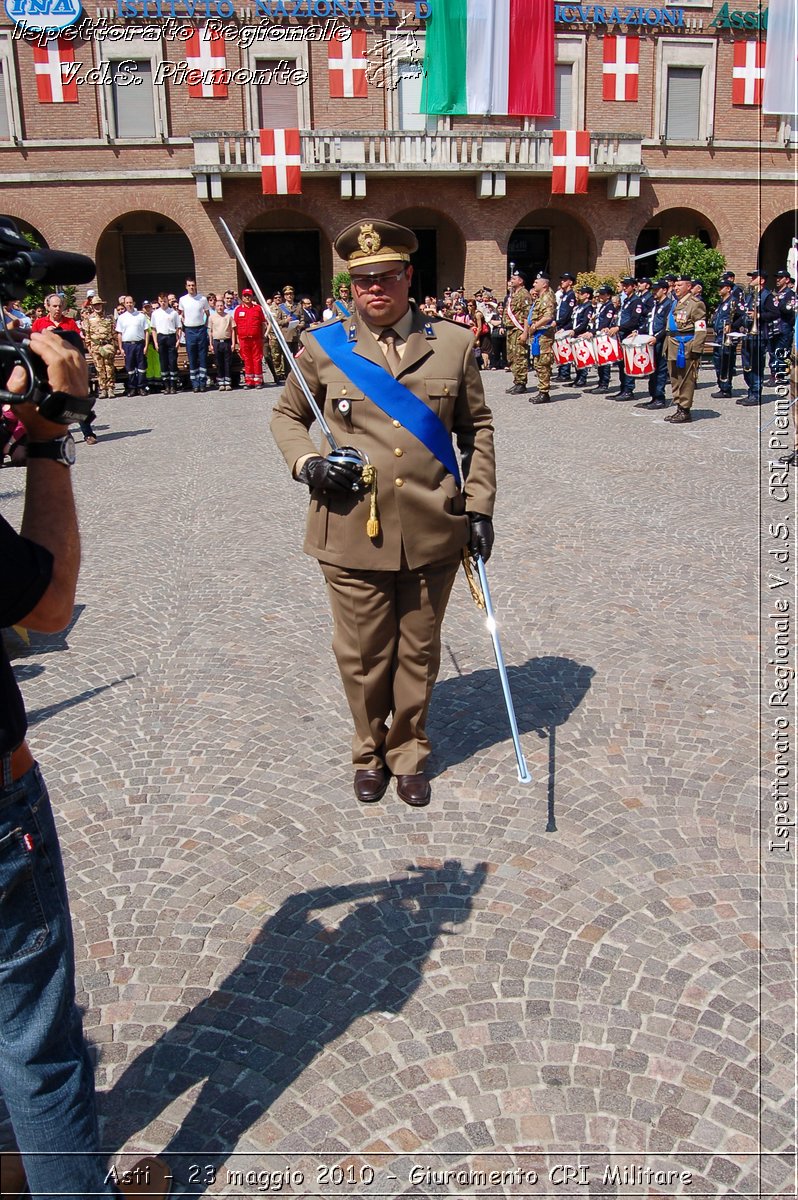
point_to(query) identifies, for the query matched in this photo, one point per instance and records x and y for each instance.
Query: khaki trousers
(387, 640)
(683, 381)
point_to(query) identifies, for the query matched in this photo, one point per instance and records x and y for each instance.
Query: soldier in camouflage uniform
(515, 316)
(100, 338)
(277, 363)
(540, 331)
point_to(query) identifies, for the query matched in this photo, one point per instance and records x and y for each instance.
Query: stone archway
(671, 222)
(775, 243)
(282, 247)
(142, 253)
(552, 240)
(439, 261)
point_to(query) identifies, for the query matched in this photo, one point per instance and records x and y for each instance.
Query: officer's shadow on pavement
(306, 979)
(468, 712)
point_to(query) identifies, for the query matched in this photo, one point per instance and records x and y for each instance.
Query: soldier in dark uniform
(761, 310)
(782, 327)
(582, 318)
(396, 385)
(631, 319)
(645, 294)
(565, 317)
(728, 319)
(603, 321)
(662, 303)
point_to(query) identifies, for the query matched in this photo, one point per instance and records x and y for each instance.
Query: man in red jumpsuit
(250, 323)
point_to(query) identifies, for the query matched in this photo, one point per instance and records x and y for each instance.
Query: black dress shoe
(624, 396)
(651, 405)
(750, 401)
(414, 789)
(721, 394)
(370, 785)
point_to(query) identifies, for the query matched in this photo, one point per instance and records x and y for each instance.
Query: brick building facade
(136, 176)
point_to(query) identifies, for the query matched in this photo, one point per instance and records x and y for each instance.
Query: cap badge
(369, 240)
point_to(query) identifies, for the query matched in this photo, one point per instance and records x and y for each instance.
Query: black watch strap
(58, 450)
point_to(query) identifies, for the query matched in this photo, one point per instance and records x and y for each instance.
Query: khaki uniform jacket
(518, 304)
(544, 306)
(421, 509)
(691, 317)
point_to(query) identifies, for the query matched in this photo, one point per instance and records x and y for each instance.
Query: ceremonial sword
(340, 453)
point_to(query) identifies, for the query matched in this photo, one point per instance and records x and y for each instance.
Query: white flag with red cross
(50, 63)
(281, 162)
(748, 74)
(570, 161)
(347, 64)
(205, 53)
(621, 67)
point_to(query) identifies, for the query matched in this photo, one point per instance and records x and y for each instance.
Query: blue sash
(389, 395)
(534, 349)
(343, 310)
(681, 338)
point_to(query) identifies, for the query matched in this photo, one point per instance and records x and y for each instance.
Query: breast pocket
(346, 407)
(441, 395)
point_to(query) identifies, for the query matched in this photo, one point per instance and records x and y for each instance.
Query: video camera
(20, 263)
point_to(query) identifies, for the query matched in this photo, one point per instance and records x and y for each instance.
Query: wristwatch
(59, 450)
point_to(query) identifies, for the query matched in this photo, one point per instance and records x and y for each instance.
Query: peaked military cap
(369, 242)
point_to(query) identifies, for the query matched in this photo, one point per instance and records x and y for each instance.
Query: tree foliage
(689, 256)
(342, 277)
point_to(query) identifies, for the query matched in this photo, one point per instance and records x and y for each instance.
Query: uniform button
(398, 452)
(343, 391)
(399, 482)
(446, 391)
(397, 424)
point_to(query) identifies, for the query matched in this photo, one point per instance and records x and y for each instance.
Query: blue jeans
(46, 1077)
(197, 350)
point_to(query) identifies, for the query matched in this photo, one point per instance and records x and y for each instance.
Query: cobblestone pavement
(270, 969)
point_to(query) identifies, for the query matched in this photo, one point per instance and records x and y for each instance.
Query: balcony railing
(324, 152)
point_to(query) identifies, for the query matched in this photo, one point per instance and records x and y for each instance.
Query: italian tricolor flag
(490, 56)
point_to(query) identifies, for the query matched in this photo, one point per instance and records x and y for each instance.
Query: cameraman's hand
(67, 371)
(330, 475)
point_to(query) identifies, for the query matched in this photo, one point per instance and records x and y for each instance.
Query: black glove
(481, 535)
(330, 475)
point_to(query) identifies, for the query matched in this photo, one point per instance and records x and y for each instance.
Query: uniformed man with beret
(662, 303)
(515, 316)
(760, 312)
(395, 385)
(539, 333)
(582, 318)
(687, 332)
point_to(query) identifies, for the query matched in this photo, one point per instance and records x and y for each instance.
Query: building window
(9, 111)
(277, 103)
(569, 86)
(684, 89)
(563, 100)
(275, 100)
(683, 103)
(132, 103)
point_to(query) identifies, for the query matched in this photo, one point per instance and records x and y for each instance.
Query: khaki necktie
(388, 339)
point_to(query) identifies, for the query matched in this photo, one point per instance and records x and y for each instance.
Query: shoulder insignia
(352, 333)
(429, 332)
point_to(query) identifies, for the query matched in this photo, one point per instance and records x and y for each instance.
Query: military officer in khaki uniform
(277, 363)
(390, 565)
(99, 334)
(515, 315)
(540, 334)
(687, 332)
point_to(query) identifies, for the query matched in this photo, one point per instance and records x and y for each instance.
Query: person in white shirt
(165, 322)
(132, 329)
(194, 311)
